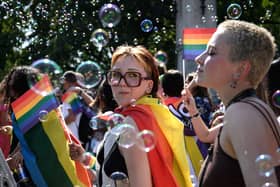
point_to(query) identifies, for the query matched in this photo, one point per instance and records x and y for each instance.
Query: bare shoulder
(246, 126)
(244, 116)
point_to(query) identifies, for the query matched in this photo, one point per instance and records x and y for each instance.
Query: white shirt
(73, 126)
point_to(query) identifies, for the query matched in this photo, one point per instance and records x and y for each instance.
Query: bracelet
(195, 115)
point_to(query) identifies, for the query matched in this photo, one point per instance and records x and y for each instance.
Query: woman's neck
(228, 94)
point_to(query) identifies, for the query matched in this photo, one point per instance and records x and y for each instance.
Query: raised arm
(203, 133)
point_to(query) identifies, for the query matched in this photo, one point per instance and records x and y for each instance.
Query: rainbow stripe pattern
(31, 106)
(168, 163)
(73, 99)
(45, 146)
(195, 41)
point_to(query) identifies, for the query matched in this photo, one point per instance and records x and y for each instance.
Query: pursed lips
(123, 92)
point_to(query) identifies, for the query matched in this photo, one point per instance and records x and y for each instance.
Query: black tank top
(220, 169)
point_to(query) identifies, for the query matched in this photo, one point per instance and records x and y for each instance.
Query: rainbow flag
(45, 146)
(32, 106)
(168, 161)
(73, 99)
(195, 41)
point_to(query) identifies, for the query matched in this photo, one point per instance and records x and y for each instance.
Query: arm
(71, 117)
(86, 97)
(77, 153)
(203, 133)
(250, 136)
(137, 164)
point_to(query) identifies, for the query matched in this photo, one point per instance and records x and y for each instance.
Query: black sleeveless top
(219, 169)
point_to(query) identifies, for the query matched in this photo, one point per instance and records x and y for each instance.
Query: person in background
(5, 123)
(172, 83)
(134, 81)
(104, 105)
(274, 85)
(77, 120)
(237, 57)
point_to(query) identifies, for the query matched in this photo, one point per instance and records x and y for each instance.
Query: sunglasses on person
(132, 79)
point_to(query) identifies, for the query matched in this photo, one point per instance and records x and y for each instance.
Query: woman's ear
(244, 69)
(150, 86)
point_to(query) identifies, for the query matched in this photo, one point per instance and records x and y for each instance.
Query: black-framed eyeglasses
(132, 79)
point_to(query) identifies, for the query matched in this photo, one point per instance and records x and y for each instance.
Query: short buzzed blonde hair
(250, 42)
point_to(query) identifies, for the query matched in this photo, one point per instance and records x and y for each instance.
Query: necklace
(250, 92)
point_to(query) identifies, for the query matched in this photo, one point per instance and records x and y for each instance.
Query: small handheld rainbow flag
(44, 144)
(31, 106)
(73, 99)
(195, 41)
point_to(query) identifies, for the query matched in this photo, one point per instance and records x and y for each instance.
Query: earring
(235, 78)
(233, 84)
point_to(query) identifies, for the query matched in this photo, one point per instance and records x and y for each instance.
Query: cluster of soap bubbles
(110, 16)
(127, 133)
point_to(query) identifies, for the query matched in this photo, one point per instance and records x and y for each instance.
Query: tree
(62, 30)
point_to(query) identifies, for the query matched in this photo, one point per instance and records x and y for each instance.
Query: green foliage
(61, 30)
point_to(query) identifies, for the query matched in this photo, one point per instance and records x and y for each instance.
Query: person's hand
(189, 101)
(6, 129)
(92, 175)
(76, 89)
(76, 152)
(217, 119)
(15, 160)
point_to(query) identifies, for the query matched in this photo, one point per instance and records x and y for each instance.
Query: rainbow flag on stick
(45, 145)
(195, 41)
(31, 106)
(73, 99)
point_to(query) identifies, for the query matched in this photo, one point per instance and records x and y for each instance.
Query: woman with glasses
(134, 81)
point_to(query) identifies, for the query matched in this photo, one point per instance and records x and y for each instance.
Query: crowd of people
(195, 142)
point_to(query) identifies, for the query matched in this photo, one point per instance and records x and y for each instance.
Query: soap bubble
(234, 11)
(115, 119)
(146, 25)
(146, 140)
(110, 15)
(99, 38)
(264, 164)
(43, 115)
(269, 184)
(127, 135)
(161, 56)
(92, 73)
(88, 160)
(49, 67)
(276, 99)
